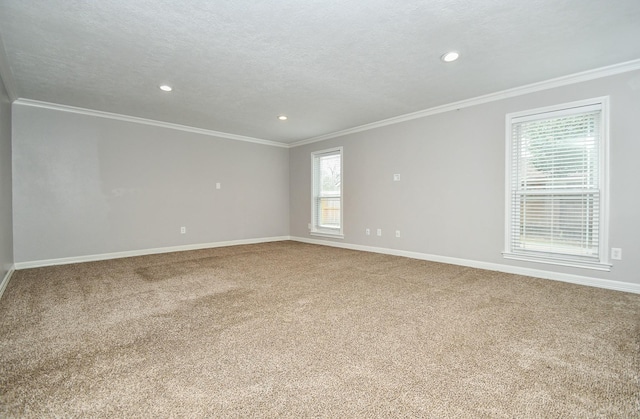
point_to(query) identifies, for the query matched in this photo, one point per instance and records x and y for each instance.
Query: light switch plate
(616, 253)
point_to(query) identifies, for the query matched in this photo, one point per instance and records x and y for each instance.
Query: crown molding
(491, 97)
(144, 121)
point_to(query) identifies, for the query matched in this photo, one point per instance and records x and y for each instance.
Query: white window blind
(555, 203)
(327, 192)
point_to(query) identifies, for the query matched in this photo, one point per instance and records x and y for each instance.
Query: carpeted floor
(295, 330)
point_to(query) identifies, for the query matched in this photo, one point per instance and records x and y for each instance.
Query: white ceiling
(329, 65)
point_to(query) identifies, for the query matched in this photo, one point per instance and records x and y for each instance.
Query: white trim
(605, 179)
(554, 111)
(573, 279)
(537, 273)
(143, 252)
(491, 97)
(327, 235)
(135, 119)
(6, 279)
(599, 266)
(571, 108)
(338, 233)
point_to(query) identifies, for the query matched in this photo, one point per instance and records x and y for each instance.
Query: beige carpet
(295, 330)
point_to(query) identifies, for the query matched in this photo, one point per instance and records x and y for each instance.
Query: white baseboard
(143, 252)
(6, 279)
(556, 276)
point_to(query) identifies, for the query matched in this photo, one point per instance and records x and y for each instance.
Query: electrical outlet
(396, 177)
(183, 230)
(367, 231)
(616, 253)
(379, 232)
(218, 185)
(397, 233)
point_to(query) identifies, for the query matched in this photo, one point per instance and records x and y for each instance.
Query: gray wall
(450, 200)
(86, 185)
(6, 223)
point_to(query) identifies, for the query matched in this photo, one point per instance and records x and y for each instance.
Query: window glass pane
(329, 212)
(559, 153)
(330, 175)
(555, 203)
(561, 223)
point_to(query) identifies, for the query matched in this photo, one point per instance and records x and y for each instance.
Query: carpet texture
(296, 330)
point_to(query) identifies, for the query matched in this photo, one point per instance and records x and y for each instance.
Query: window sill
(571, 263)
(327, 234)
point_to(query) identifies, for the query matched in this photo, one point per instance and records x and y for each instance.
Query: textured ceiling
(329, 65)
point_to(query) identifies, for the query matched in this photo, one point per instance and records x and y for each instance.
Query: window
(557, 185)
(326, 206)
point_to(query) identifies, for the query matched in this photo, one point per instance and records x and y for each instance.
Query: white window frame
(317, 230)
(603, 239)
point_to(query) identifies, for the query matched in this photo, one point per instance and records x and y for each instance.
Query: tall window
(326, 212)
(557, 186)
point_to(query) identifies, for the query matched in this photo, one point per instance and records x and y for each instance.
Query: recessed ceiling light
(450, 56)
(282, 117)
(166, 87)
